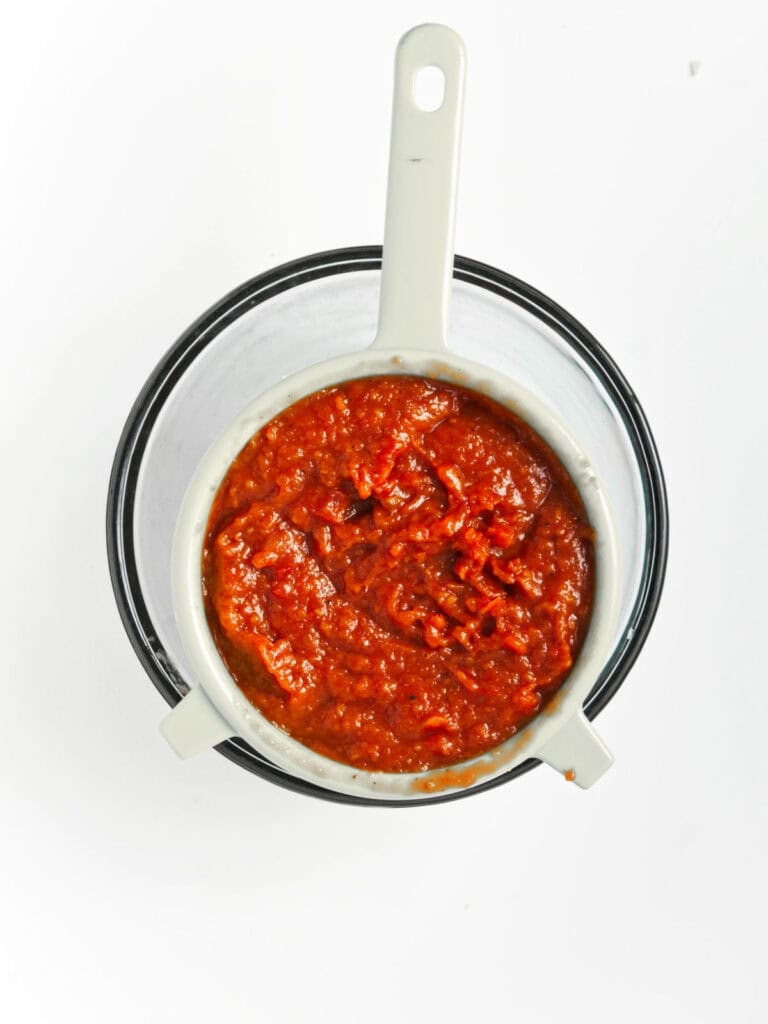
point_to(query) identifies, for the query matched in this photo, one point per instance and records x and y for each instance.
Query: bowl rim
(163, 379)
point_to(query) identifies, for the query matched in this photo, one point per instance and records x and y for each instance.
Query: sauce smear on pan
(398, 572)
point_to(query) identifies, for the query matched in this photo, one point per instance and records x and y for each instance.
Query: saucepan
(305, 326)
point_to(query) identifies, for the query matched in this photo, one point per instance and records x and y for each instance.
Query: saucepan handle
(194, 725)
(577, 751)
(417, 267)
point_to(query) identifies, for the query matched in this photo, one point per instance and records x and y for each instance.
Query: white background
(153, 156)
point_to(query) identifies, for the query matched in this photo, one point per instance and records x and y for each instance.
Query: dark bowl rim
(160, 383)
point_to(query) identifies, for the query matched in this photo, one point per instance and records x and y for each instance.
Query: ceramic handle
(578, 752)
(194, 725)
(417, 267)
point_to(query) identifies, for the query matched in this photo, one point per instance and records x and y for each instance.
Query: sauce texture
(398, 572)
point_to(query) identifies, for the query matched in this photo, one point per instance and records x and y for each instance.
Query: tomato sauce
(398, 572)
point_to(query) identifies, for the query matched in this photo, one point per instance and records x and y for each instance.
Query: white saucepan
(411, 339)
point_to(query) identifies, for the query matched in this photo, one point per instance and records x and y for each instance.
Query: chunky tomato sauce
(398, 572)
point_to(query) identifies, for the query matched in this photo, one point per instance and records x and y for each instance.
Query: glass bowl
(326, 305)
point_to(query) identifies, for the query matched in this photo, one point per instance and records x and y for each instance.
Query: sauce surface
(398, 572)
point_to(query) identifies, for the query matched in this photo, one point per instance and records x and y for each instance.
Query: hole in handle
(429, 88)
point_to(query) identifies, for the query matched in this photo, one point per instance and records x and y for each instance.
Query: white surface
(152, 156)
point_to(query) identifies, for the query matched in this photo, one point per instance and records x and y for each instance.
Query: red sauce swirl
(398, 572)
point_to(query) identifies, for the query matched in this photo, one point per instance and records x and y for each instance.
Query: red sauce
(398, 572)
